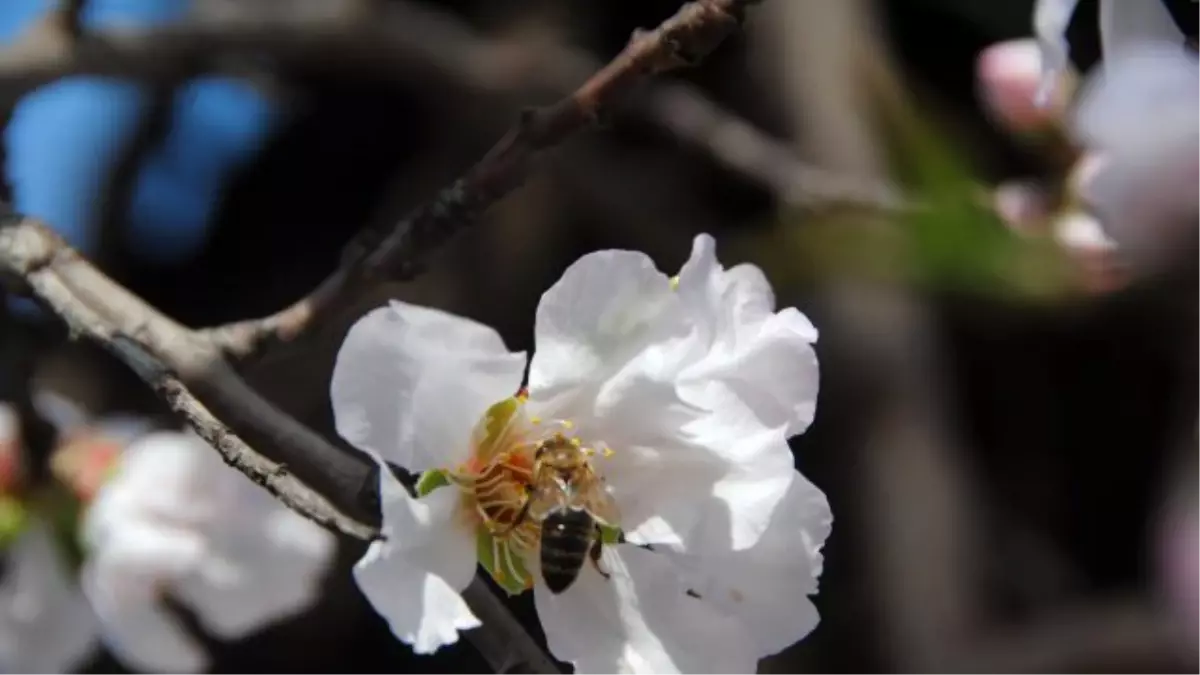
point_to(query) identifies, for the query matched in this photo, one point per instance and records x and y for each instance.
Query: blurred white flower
(1140, 118)
(174, 519)
(680, 392)
(46, 625)
(1123, 24)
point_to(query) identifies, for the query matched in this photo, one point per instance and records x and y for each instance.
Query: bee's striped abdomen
(566, 540)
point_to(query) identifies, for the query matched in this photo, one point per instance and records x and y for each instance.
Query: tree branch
(402, 38)
(694, 31)
(161, 352)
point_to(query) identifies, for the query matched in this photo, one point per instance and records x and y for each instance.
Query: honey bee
(568, 498)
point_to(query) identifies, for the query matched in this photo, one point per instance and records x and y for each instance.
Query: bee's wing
(592, 495)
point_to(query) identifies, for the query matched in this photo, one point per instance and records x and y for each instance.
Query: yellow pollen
(675, 282)
(535, 420)
(576, 442)
(588, 452)
(567, 424)
(607, 452)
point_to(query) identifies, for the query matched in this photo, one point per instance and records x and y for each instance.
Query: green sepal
(431, 480)
(505, 566)
(610, 534)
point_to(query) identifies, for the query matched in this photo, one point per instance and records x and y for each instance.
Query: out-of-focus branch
(1117, 635)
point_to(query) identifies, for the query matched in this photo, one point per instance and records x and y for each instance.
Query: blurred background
(1006, 429)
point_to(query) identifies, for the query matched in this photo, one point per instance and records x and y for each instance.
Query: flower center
(521, 469)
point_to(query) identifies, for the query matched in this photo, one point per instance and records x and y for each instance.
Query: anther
(607, 452)
(567, 424)
(535, 420)
(576, 442)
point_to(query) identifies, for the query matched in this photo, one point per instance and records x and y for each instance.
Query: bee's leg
(596, 551)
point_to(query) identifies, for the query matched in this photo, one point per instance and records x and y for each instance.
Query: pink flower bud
(1009, 74)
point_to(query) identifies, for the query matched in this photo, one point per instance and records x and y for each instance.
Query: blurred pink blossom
(1009, 74)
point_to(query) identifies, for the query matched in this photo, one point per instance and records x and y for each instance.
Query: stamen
(576, 442)
(567, 424)
(607, 452)
(535, 420)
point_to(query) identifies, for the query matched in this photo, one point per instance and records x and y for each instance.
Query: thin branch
(401, 38)
(694, 31)
(34, 253)
(122, 324)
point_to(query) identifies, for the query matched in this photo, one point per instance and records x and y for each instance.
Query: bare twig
(690, 34)
(403, 37)
(94, 306)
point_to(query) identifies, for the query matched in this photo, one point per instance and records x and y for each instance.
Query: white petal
(642, 420)
(1082, 232)
(725, 299)
(763, 358)
(1145, 81)
(175, 519)
(257, 575)
(609, 309)
(1124, 24)
(767, 586)
(413, 577)
(410, 383)
(46, 625)
(639, 621)
(135, 626)
(1050, 21)
(681, 475)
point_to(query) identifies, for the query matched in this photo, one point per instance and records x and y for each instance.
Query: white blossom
(682, 391)
(46, 625)
(1140, 119)
(174, 519)
(1124, 24)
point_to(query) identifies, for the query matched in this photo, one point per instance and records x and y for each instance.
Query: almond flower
(174, 520)
(1140, 120)
(1124, 24)
(680, 395)
(46, 625)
